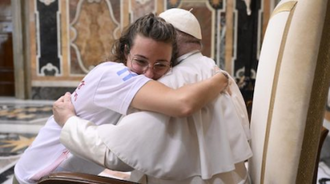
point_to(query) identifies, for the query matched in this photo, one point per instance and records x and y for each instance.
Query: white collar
(185, 56)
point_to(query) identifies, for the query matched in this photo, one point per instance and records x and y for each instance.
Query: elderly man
(209, 146)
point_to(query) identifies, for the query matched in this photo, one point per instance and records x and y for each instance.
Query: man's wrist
(69, 119)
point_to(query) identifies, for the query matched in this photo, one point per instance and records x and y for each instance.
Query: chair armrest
(80, 178)
(324, 133)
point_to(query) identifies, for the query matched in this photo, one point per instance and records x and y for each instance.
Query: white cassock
(209, 146)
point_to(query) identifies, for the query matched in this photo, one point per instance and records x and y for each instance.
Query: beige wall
(85, 31)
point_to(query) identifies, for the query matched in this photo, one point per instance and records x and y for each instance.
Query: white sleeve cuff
(80, 137)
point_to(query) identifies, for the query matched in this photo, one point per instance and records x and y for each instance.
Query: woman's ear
(126, 50)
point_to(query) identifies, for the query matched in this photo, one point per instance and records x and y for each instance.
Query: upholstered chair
(290, 93)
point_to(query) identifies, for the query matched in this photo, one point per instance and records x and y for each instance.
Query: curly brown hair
(149, 26)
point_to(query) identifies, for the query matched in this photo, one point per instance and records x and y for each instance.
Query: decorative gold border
(314, 120)
(287, 7)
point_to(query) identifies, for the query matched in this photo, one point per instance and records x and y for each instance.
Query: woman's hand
(217, 70)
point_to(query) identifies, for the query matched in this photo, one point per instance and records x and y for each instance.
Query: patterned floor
(20, 122)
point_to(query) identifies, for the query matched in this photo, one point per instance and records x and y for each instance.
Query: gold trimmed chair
(80, 178)
(290, 93)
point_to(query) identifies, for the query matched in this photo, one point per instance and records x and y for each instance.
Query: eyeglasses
(140, 66)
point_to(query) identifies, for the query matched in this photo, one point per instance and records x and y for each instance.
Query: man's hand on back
(63, 109)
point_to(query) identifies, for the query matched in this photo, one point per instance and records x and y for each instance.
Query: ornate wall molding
(47, 2)
(73, 36)
(92, 30)
(47, 23)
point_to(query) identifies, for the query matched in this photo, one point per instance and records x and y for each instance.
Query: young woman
(147, 47)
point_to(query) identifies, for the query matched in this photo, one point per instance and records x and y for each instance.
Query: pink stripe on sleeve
(51, 167)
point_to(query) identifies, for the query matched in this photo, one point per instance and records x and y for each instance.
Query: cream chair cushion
(290, 93)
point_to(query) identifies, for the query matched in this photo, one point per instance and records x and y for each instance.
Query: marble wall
(69, 37)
